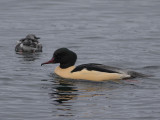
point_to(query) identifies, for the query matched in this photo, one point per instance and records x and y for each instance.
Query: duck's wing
(98, 67)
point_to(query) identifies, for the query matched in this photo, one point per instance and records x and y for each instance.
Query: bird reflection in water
(64, 91)
(63, 95)
(73, 89)
(29, 56)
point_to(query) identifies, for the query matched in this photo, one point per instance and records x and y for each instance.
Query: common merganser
(91, 71)
(29, 44)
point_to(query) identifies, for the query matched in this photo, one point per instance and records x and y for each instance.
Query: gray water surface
(120, 33)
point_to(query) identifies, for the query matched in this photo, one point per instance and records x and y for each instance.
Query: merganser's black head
(64, 56)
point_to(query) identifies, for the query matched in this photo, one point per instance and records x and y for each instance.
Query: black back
(97, 67)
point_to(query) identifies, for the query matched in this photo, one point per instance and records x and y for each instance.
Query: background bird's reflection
(29, 56)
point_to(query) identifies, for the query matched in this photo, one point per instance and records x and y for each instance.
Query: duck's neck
(66, 65)
(60, 70)
(69, 68)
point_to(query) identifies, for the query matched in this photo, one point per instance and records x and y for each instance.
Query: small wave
(151, 67)
(92, 37)
(5, 78)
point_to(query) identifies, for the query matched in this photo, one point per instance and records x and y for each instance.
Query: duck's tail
(134, 74)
